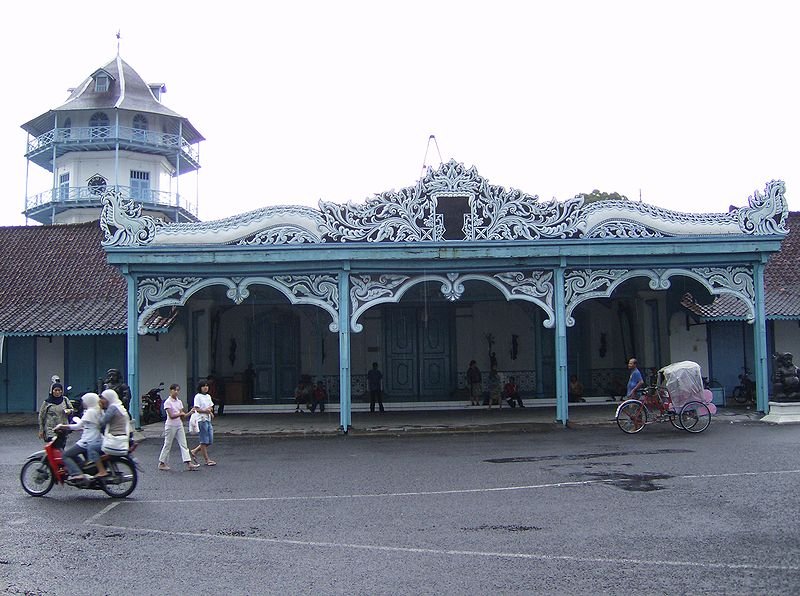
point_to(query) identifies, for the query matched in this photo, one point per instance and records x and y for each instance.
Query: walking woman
(204, 408)
(54, 410)
(173, 429)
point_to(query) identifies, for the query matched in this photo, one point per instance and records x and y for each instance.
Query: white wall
(691, 344)
(49, 362)
(787, 338)
(164, 358)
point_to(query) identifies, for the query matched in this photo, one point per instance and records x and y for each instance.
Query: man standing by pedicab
(635, 381)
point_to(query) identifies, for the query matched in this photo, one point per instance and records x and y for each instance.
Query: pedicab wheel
(36, 477)
(675, 420)
(631, 416)
(121, 479)
(695, 417)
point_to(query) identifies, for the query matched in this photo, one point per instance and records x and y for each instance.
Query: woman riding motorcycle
(91, 439)
(114, 420)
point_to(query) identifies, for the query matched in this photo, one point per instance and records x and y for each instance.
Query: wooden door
(275, 349)
(18, 376)
(419, 355)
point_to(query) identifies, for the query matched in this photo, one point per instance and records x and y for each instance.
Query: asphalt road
(585, 511)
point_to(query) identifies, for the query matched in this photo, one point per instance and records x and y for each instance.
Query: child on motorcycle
(91, 438)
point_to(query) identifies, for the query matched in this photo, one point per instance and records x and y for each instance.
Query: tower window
(101, 83)
(63, 186)
(139, 128)
(98, 126)
(140, 185)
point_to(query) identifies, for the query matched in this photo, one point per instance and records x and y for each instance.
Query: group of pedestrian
(201, 415)
(510, 392)
(105, 415)
(498, 392)
(309, 395)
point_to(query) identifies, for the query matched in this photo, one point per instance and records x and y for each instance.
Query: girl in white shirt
(90, 441)
(204, 407)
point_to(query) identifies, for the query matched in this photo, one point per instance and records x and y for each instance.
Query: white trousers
(170, 434)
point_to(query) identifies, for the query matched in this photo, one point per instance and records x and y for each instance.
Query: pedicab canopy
(684, 382)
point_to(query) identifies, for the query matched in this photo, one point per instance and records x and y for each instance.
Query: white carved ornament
(586, 284)
(367, 291)
(154, 293)
(413, 214)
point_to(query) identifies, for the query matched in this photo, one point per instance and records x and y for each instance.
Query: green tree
(597, 195)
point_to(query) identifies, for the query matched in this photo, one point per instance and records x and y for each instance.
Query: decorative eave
(451, 203)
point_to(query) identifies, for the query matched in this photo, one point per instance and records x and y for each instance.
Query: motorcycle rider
(114, 418)
(90, 441)
(114, 381)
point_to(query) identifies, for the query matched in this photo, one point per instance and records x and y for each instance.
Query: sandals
(211, 462)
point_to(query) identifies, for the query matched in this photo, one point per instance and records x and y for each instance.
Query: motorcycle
(76, 402)
(44, 468)
(151, 405)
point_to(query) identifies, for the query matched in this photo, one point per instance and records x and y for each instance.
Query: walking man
(474, 383)
(374, 378)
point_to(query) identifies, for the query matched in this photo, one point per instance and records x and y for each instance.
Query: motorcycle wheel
(121, 479)
(36, 477)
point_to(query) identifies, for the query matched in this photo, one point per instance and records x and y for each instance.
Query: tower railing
(100, 135)
(76, 196)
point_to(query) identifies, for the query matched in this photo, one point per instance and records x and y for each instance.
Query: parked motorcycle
(76, 402)
(152, 405)
(44, 468)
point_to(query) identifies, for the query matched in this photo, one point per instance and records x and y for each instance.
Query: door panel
(435, 378)
(18, 376)
(731, 347)
(419, 356)
(90, 356)
(401, 378)
(275, 349)
(111, 352)
(80, 370)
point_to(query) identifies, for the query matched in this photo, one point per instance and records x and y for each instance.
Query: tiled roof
(781, 284)
(782, 274)
(127, 91)
(55, 280)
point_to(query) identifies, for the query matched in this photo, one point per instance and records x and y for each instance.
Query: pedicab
(677, 397)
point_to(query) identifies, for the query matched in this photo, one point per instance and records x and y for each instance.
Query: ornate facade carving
(322, 291)
(122, 221)
(585, 284)
(367, 291)
(415, 214)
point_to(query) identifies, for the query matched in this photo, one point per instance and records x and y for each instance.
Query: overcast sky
(694, 104)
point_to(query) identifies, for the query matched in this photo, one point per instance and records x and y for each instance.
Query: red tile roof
(782, 274)
(781, 284)
(55, 280)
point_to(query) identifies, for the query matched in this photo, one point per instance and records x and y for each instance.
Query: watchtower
(113, 132)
